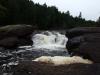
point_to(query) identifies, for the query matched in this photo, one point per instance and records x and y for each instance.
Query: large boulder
(81, 31)
(15, 30)
(15, 35)
(90, 50)
(74, 42)
(85, 42)
(9, 42)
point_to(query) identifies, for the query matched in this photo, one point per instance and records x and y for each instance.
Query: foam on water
(49, 40)
(46, 43)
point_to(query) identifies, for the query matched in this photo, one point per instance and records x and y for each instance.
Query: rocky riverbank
(12, 36)
(85, 42)
(82, 42)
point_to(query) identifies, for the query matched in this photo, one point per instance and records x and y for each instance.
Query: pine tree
(80, 15)
(98, 20)
(68, 13)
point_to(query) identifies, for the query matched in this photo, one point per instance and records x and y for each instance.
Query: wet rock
(79, 31)
(15, 35)
(91, 50)
(15, 30)
(9, 42)
(86, 43)
(74, 42)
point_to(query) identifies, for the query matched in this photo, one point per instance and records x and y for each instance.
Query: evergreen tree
(68, 13)
(98, 22)
(80, 15)
(41, 16)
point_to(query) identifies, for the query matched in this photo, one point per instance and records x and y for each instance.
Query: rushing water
(49, 40)
(45, 43)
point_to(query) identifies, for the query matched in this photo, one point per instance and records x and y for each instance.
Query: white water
(45, 43)
(49, 40)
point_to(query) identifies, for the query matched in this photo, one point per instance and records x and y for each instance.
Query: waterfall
(49, 40)
(45, 43)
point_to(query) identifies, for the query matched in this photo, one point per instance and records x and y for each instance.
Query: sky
(90, 8)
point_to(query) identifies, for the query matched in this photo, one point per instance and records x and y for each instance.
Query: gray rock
(74, 42)
(86, 44)
(81, 31)
(15, 35)
(9, 42)
(15, 30)
(90, 50)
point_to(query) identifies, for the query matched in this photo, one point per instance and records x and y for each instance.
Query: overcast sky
(90, 8)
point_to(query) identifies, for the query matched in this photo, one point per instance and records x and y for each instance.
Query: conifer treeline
(41, 16)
